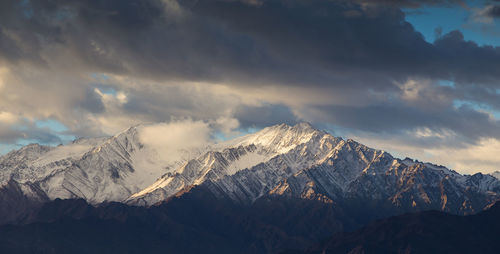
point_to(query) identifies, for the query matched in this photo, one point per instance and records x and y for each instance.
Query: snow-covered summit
(297, 161)
(278, 138)
(229, 157)
(303, 162)
(96, 169)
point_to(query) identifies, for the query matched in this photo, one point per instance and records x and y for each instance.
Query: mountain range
(282, 187)
(422, 232)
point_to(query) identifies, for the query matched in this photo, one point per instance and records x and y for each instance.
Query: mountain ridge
(422, 232)
(294, 161)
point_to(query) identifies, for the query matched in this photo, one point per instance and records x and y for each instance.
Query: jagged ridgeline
(294, 162)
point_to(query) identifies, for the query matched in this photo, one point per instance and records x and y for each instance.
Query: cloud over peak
(101, 66)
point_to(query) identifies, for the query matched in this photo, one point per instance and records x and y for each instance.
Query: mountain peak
(27, 152)
(131, 131)
(279, 138)
(304, 126)
(121, 168)
(301, 126)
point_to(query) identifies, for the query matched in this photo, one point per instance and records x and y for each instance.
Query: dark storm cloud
(326, 44)
(413, 3)
(92, 101)
(265, 115)
(294, 42)
(394, 118)
(378, 44)
(492, 11)
(175, 101)
(466, 62)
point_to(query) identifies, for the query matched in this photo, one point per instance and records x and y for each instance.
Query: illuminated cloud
(98, 67)
(170, 139)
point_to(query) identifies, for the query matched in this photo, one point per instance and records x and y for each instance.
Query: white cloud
(425, 132)
(8, 118)
(227, 125)
(424, 93)
(109, 124)
(170, 139)
(3, 72)
(112, 100)
(481, 157)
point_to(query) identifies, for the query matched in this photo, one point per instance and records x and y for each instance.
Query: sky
(418, 79)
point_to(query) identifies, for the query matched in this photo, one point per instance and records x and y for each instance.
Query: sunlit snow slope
(290, 161)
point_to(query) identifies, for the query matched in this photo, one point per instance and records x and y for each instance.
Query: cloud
(99, 67)
(480, 157)
(264, 115)
(487, 13)
(8, 118)
(469, 123)
(227, 126)
(276, 41)
(17, 131)
(413, 3)
(170, 139)
(93, 102)
(470, 159)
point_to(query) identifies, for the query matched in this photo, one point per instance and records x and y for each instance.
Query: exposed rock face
(283, 187)
(302, 162)
(291, 161)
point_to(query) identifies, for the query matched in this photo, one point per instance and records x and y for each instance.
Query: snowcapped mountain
(300, 161)
(265, 149)
(98, 169)
(290, 161)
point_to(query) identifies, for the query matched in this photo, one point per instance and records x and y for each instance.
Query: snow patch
(246, 161)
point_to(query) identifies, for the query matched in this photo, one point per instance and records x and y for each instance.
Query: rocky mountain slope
(289, 161)
(272, 224)
(423, 232)
(196, 222)
(97, 170)
(303, 162)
